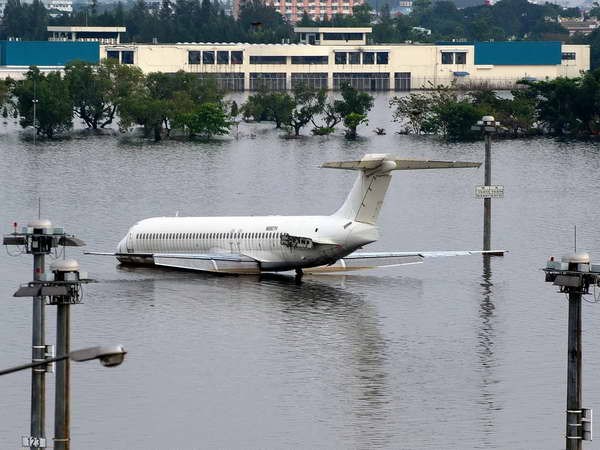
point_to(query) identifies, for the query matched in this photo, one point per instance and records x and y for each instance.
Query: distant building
(293, 10)
(579, 26)
(325, 58)
(329, 57)
(62, 6)
(103, 35)
(58, 6)
(404, 8)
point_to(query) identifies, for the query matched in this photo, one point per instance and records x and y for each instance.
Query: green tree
(353, 102)
(413, 110)
(456, 119)
(352, 121)
(50, 93)
(271, 106)
(142, 109)
(206, 120)
(307, 103)
(90, 86)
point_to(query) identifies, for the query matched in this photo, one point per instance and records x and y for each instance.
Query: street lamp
(109, 356)
(488, 125)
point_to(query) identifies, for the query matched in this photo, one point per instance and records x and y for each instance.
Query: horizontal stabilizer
(399, 164)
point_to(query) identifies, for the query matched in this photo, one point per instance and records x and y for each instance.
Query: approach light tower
(39, 238)
(574, 274)
(488, 125)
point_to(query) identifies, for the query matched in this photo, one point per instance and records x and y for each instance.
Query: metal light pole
(109, 356)
(573, 275)
(35, 102)
(40, 246)
(487, 202)
(64, 271)
(488, 126)
(38, 238)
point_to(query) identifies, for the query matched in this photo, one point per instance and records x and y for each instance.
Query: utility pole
(35, 102)
(488, 126)
(38, 238)
(573, 275)
(487, 202)
(66, 275)
(40, 247)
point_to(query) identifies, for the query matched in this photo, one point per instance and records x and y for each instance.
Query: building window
(127, 57)
(368, 58)
(402, 81)
(208, 57)
(460, 58)
(447, 58)
(193, 57)
(342, 36)
(570, 56)
(237, 57)
(222, 57)
(268, 60)
(111, 54)
(354, 57)
(382, 58)
(310, 80)
(363, 81)
(310, 60)
(341, 57)
(269, 81)
(226, 81)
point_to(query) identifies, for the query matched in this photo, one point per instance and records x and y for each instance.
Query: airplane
(312, 244)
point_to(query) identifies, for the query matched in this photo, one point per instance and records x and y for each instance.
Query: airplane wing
(205, 262)
(224, 262)
(371, 260)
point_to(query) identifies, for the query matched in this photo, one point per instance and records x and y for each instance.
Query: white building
(338, 57)
(62, 6)
(293, 10)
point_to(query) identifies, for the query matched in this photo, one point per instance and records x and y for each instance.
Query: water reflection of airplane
(255, 244)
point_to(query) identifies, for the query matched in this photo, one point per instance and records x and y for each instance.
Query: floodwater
(449, 354)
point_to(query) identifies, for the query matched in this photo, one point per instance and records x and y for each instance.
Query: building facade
(324, 58)
(293, 10)
(337, 57)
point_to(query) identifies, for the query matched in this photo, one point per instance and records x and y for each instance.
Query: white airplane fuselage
(278, 242)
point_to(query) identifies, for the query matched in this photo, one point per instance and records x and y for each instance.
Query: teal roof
(47, 53)
(519, 53)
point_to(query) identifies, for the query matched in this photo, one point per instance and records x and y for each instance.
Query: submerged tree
(353, 108)
(89, 88)
(206, 120)
(50, 95)
(165, 101)
(307, 104)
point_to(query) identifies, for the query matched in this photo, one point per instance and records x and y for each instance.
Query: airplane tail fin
(366, 197)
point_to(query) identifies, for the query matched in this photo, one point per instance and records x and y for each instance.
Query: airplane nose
(121, 246)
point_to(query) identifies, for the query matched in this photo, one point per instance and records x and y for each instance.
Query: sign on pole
(32, 441)
(489, 191)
